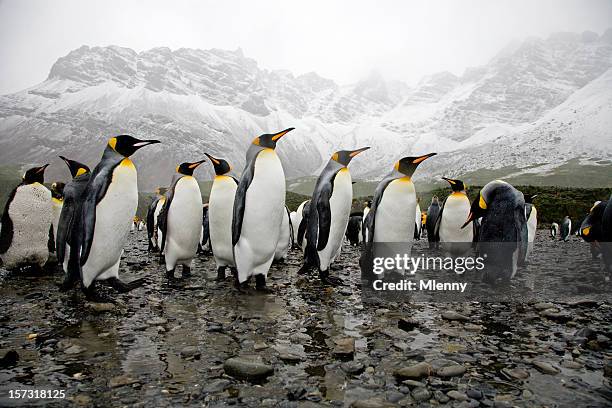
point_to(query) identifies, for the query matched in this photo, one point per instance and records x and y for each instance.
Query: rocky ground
(197, 342)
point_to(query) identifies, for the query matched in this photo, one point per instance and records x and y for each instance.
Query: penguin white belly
(453, 238)
(532, 224)
(157, 234)
(184, 223)
(263, 214)
(114, 219)
(220, 213)
(395, 213)
(417, 219)
(284, 239)
(340, 209)
(57, 211)
(31, 214)
(295, 222)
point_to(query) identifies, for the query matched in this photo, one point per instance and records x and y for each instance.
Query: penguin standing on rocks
(259, 207)
(433, 211)
(391, 218)
(366, 211)
(353, 230)
(220, 212)
(554, 230)
(566, 228)
(180, 220)
(531, 214)
(70, 221)
(454, 211)
(152, 214)
(606, 236)
(591, 229)
(502, 238)
(57, 202)
(109, 203)
(328, 216)
(26, 223)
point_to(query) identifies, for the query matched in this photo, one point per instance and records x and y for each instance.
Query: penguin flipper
(324, 212)
(6, 232)
(240, 201)
(65, 221)
(303, 223)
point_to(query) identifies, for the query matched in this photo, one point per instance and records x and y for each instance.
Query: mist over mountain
(536, 108)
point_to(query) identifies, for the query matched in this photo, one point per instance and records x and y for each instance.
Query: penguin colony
(83, 225)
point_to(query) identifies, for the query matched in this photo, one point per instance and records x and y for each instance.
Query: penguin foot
(123, 287)
(170, 274)
(304, 270)
(67, 284)
(186, 272)
(330, 280)
(92, 295)
(260, 284)
(220, 274)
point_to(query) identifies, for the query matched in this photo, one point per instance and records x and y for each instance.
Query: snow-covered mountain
(534, 107)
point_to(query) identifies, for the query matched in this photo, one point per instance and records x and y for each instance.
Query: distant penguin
(433, 211)
(70, 220)
(205, 237)
(531, 214)
(259, 209)
(554, 230)
(417, 221)
(295, 222)
(391, 218)
(453, 239)
(180, 220)
(152, 214)
(110, 201)
(353, 230)
(502, 237)
(285, 239)
(57, 202)
(133, 226)
(366, 211)
(220, 213)
(303, 211)
(26, 223)
(566, 228)
(328, 215)
(591, 229)
(606, 236)
(141, 225)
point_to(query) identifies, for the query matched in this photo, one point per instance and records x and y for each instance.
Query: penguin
(531, 214)
(109, 203)
(606, 236)
(220, 213)
(57, 202)
(140, 225)
(433, 211)
(26, 223)
(328, 215)
(554, 230)
(591, 229)
(180, 220)
(303, 211)
(295, 222)
(353, 230)
(285, 239)
(69, 221)
(502, 236)
(205, 237)
(366, 211)
(566, 228)
(455, 209)
(391, 218)
(152, 214)
(417, 220)
(259, 208)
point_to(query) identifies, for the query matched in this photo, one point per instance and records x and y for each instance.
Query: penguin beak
(281, 134)
(212, 159)
(424, 157)
(196, 164)
(42, 168)
(450, 181)
(356, 152)
(143, 143)
(470, 219)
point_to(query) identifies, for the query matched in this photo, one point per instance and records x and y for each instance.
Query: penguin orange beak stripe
(424, 157)
(212, 159)
(42, 168)
(281, 134)
(470, 219)
(449, 180)
(196, 164)
(356, 152)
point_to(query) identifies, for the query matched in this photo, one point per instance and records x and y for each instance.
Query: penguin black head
(188, 168)
(344, 157)
(269, 140)
(57, 190)
(221, 166)
(35, 175)
(408, 165)
(529, 198)
(76, 169)
(126, 145)
(456, 185)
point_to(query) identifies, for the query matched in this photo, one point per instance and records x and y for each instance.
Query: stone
(247, 368)
(421, 394)
(121, 380)
(74, 350)
(456, 395)
(451, 371)
(190, 352)
(372, 403)
(454, 316)
(545, 367)
(101, 307)
(344, 348)
(415, 371)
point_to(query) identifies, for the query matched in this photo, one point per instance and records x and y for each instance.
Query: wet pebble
(451, 371)
(247, 368)
(454, 316)
(421, 394)
(418, 370)
(545, 367)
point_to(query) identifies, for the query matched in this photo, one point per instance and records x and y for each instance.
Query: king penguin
(591, 229)
(220, 212)
(26, 223)
(57, 202)
(366, 211)
(453, 239)
(417, 220)
(328, 215)
(606, 236)
(70, 220)
(554, 230)
(502, 237)
(152, 214)
(433, 211)
(180, 220)
(531, 214)
(110, 201)
(392, 217)
(259, 207)
(566, 228)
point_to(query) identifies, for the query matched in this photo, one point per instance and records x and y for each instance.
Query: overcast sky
(342, 40)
